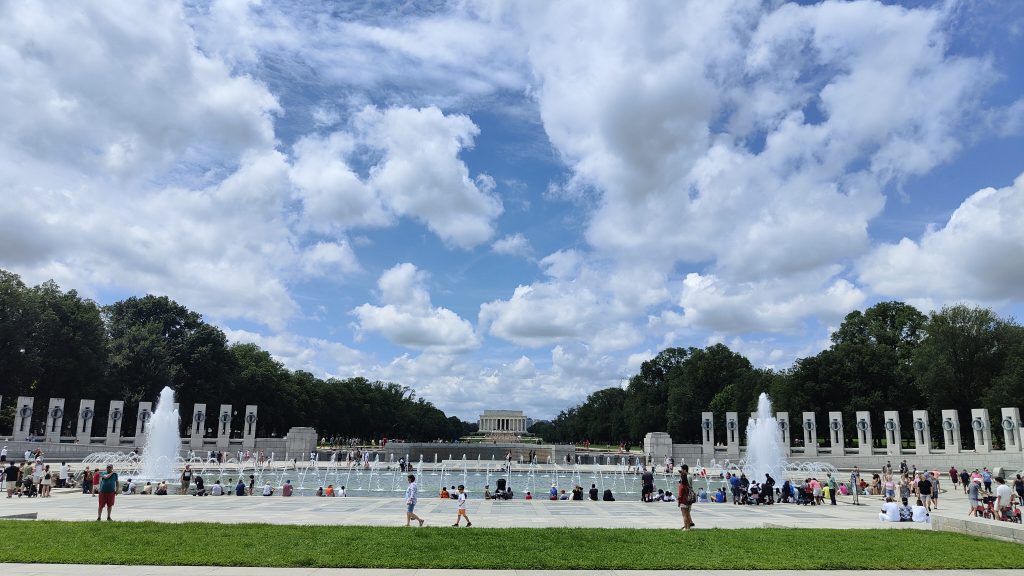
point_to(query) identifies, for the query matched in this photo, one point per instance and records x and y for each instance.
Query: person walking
(686, 497)
(832, 489)
(462, 508)
(855, 484)
(410, 502)
(108, 490)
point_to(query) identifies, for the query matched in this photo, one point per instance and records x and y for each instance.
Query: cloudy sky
(509, 205)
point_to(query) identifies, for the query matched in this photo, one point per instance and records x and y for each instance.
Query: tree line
(888, 357)
(58, 344)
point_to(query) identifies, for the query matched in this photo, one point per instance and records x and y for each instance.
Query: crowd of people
(909, 494)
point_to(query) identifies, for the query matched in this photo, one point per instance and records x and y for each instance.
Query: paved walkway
(74, 570)
(367, 511)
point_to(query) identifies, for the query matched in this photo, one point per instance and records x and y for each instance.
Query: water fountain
(159, 456)
(764, 445)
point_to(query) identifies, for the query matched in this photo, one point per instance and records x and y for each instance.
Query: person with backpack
(687, 497)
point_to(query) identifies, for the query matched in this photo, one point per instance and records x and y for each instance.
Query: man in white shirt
(920, 513)
(890, 511)
(65, 473)
(410, 502)
(1004, 497)
(268, 490)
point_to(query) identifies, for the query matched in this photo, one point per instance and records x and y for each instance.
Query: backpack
(691, 496)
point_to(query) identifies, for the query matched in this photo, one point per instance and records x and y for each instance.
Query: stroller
(28, 489)
(503, 492)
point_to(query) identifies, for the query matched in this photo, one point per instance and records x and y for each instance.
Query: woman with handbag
(687, 497)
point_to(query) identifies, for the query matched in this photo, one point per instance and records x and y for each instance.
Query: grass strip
(266, 545)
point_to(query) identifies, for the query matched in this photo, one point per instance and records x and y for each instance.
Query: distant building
(496, 422)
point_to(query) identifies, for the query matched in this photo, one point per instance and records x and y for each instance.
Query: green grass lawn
(508, 548)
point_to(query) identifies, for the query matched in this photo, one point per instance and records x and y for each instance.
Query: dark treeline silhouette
(888, 357)
(58, 344)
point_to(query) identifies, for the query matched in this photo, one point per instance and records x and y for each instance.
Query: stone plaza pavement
(390, 511)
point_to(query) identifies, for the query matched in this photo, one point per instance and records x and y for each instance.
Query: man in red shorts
(108, 489)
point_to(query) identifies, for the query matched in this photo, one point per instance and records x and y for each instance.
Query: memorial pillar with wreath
(198, 426)
(922, 433)
(951, 432)
(83, 428)
(732, 434)
(142, 418)
(249, 427)
(1010, 423)
(54, 420)
(23, 418)
(115, 420)
(810, 428)
(865, 440)
(893, 440)
(836, 435)
(785, 442)
(224, 427)
(982, 430)
(707, 434)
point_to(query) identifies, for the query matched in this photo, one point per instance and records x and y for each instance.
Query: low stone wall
(483, 451)
(973, 526)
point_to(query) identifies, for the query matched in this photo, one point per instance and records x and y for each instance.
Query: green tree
(964, 351)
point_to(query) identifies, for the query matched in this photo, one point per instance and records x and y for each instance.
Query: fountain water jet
(764, 444)
(162, 442)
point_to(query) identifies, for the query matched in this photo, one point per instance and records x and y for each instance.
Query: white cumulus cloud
(407, 318)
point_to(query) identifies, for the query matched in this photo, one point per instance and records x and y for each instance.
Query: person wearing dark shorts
(108, 490)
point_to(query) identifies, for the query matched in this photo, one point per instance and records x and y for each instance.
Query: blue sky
(513, 204)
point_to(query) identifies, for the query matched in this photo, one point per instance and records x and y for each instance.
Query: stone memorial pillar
(864, 437)
(836, 437)
(707, 431)
(732, 434)
(249, 428)
(54, 420)
(198, 426)
(982, 430)
(23, 418)
(299, 442)
(86, 414)
(658, 445)
(115, 419)
(892, 433)
(785, 442)
(224, 426)
(142, 419)
(922, 433)
(1010, 424)
(810, 427)
(950, 432)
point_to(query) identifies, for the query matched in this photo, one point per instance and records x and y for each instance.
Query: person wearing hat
(553, 493)
(974, 495)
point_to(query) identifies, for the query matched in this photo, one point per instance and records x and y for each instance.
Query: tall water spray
(162, 441)
(764, 444)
